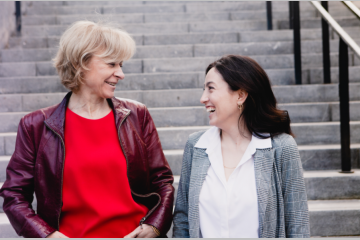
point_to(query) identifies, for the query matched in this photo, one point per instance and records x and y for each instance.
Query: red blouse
(96, 196)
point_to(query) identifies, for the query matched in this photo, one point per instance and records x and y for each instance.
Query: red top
(97, 200)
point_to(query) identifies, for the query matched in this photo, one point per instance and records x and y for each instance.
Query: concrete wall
(7, 21)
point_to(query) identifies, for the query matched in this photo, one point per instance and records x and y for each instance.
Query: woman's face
(220, 101)
(102, 77)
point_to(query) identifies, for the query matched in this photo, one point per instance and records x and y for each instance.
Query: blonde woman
(94, 161)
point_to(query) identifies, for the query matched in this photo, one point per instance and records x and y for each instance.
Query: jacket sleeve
(18, 188)
(181, 222)
(295, 199)
(161, 177)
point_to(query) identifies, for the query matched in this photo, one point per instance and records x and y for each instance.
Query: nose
(119, 73)
(204, 98)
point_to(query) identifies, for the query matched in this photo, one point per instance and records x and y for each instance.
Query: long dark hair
(259, 110)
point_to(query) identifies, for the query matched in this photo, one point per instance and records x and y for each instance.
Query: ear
(242, 95)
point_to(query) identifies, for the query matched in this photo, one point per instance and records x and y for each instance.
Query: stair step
(182, 97)
(197, 115)
(184, 64)
(176, 137)
(177, 51)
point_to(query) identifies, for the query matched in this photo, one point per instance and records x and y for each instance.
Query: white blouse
(229, 209)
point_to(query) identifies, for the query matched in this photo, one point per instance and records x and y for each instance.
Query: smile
(112, 84)
(210, 109)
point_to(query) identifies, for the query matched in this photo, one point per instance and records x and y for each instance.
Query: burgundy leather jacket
(38, 162)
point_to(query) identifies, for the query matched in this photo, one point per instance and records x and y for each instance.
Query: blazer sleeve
(295, 199)
(181, 222)
(18, 189)
(161, 177)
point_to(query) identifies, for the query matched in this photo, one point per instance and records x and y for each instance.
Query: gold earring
(240, 106)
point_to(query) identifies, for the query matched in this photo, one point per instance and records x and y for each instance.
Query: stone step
(259, 14)
(324, 219)
(191, 26)
(182, 97)
(325, 185)
(176, 137)
(197, 116)
(159, 8)
(193, 38)
(158, 81)
(178, 51)
(30, 69)
(334, 217)
(185, 64)
(313, 157)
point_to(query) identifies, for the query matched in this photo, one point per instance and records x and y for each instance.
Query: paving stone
(190, 38)
(170, 51)
(171, 8)
(10, 103)
(119, 18)
(17, 69)
(28, 55)
(227, 26)
(64, 10)
(326, 185)
(186, 17)
(341, 218)
(45, 84)
(23, 43)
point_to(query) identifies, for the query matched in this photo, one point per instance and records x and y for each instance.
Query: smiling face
(101, 78)
(220, 101)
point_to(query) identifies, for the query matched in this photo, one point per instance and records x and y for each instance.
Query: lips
(111, 84)
(210, 109)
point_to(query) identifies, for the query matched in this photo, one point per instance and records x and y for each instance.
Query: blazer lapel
(199, 169)
(263, 162)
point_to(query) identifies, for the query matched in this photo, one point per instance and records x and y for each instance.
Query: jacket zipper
(62, 174)
(127, 163)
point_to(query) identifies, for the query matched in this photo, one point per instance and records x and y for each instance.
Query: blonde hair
(85, 39)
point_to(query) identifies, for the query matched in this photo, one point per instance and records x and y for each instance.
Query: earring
(240, 106)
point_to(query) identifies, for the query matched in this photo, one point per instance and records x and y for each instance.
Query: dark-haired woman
(242, 177)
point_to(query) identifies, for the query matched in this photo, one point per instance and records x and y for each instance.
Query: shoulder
(283, 140)
(37, 118)
(130, 104)
(194, 137)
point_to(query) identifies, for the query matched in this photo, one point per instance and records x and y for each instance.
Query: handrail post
(297, 41)
(326, 46)
(18, 17)
(344, 107)
(291, 15)
(269, 15)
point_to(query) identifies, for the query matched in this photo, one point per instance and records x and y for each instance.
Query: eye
(112, 64)
(121, 64)
(211, 88)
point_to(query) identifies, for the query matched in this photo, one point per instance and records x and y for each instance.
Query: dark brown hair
(259, 112)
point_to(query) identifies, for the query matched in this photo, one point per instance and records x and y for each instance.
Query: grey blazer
(283, 209)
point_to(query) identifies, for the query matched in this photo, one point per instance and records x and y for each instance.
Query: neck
(236, 134)
(87, 104)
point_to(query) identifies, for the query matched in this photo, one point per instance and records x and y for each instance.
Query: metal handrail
(345, 42)
(337, 28)
(352, 8)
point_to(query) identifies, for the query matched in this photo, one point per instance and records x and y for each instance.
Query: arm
(18, 188)
(294, 193)
(181, 222)
(161, 177)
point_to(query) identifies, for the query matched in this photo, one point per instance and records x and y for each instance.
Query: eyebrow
(208, 83)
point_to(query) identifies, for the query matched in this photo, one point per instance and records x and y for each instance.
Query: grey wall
(7, 21)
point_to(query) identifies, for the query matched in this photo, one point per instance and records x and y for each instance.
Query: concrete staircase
(175, 43)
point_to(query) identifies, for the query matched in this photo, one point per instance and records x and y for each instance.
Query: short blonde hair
(85, 39)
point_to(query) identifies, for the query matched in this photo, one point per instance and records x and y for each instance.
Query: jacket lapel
(263, 161)
(199, 169)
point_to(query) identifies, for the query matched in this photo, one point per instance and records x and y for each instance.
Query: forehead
(215, 77)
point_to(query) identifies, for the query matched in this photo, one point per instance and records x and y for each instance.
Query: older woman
(94, 161)
(242, 177)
